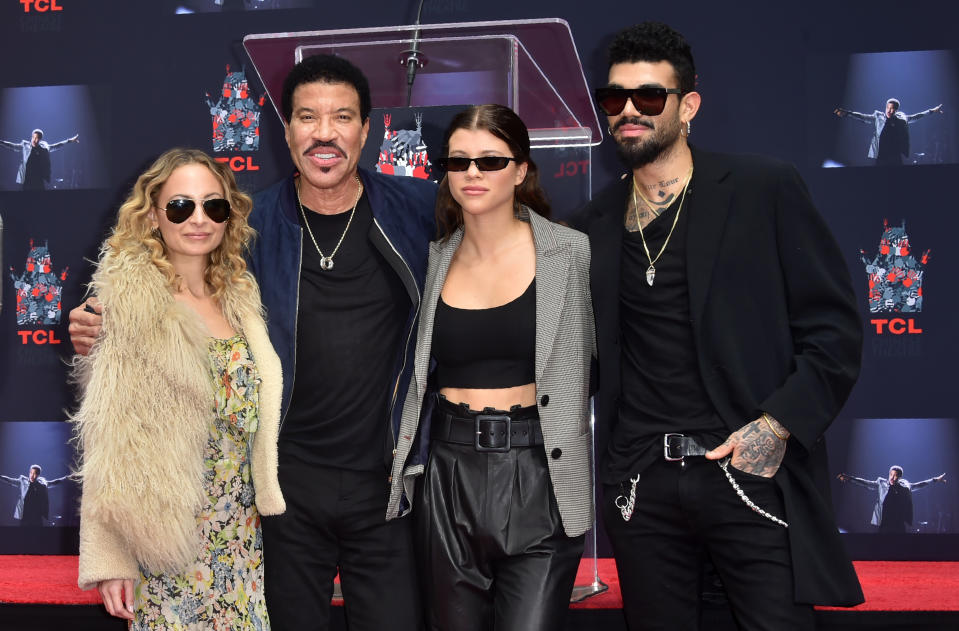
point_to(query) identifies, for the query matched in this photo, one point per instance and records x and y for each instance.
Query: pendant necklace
(651, 270)
(326, 262)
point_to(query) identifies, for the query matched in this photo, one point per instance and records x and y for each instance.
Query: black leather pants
(492, 548)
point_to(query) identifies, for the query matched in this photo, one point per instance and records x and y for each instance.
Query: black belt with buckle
(487, 432)
(679, 446)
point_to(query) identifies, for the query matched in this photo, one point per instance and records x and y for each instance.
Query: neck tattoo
(651, 270)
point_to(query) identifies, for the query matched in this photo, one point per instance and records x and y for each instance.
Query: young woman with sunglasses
(501, 385)
(179, 413)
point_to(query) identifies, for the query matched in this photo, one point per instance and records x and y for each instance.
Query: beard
(635, 152)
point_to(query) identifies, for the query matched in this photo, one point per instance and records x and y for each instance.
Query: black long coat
(776, 329)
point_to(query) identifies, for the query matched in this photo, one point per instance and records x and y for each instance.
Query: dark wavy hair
(503, 123)
(326, 69)
(653, 42)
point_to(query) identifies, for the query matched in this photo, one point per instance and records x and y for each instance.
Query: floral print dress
(223, 589)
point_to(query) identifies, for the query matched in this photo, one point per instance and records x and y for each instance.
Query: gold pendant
(650, 275)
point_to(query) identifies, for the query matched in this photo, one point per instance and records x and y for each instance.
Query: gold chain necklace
(326, 262)
(651, 270)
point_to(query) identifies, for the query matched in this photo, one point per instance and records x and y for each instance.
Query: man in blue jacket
(341, 258)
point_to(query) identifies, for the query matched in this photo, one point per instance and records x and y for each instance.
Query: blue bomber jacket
(403, 226)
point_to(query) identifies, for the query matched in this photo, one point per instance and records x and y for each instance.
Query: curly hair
(654, 42)
(506, 125)
(325, 69)
(133, 232)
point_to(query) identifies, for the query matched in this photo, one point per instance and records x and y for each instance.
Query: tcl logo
(40, 336)
(40, 6)
(239, 163)
(896, 326)
(572, 168)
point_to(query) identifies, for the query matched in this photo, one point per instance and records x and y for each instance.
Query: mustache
(321, 143)
(633, 120)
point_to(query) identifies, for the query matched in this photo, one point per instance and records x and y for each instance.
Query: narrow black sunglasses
(648, 100)
(179, 210)
(483, 163)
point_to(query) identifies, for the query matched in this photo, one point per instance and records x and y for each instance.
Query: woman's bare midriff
(496, 398)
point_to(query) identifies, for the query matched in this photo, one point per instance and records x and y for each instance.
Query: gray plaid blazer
(565, 344)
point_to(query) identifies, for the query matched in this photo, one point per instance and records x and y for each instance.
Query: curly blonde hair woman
(180, 404)
(136, 228)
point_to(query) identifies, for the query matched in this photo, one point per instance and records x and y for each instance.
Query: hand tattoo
(757, 450)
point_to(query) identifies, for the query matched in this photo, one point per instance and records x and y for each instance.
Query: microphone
(412, 58)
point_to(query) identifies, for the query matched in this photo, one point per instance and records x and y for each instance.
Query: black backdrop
(132, 80)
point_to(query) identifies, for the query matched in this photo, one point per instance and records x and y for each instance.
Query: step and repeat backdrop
(103, 86)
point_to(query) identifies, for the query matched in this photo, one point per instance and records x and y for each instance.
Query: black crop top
(486, 348)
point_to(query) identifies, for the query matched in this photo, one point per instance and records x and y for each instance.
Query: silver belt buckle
(678, 448)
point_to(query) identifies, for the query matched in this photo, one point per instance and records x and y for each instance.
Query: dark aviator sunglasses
(180, 209)
(483, 163)
(648, 100)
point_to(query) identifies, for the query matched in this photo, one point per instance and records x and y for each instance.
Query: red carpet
(50, 580)
(888, 585)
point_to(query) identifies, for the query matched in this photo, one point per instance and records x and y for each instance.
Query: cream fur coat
(144, 417)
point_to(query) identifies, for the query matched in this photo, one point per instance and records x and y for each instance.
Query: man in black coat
(728, 341)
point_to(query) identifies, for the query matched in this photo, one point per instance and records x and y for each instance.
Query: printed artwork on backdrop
(895, 272)
(38, 288)
(36, 490)
(884, 108)
(186, 7)
(50, 138)
(406, 141)
(896, 475)
(235, 115)
(404, 151)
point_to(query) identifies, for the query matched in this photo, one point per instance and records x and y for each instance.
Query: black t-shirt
(662, 390)
(893, 141)
(350, 324)
(37, 169)
(896, 509)
(35, 503)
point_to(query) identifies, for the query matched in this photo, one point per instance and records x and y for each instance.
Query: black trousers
(336, 520)
(686, 511)
(491, 542)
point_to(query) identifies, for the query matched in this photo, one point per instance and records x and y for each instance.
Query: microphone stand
(412, 58)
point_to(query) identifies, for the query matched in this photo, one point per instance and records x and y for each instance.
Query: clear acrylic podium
(532, 66)
(529, 65)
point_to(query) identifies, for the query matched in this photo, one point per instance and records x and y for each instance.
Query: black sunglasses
(180, 209)
(483, 163)
(648, 100)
